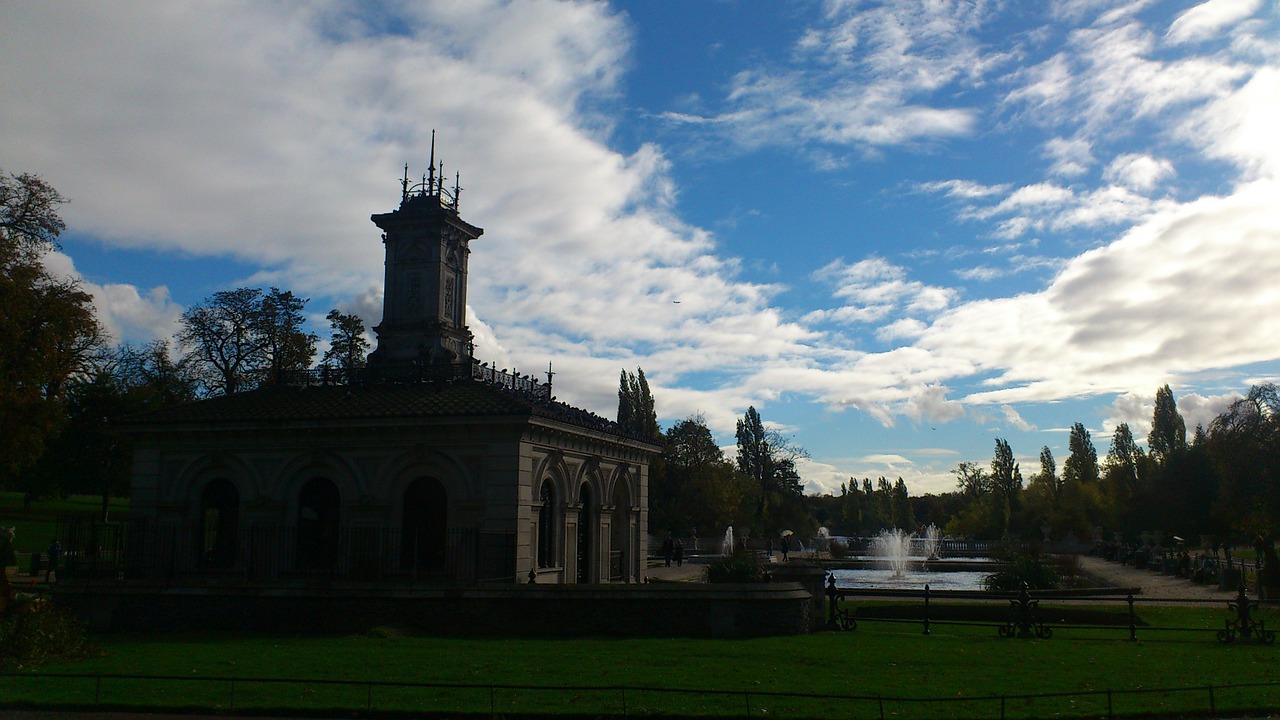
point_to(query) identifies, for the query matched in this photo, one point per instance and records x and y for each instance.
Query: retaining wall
(649, 610)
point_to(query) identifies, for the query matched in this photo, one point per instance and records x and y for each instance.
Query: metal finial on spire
(457, 190)
(404, 184)
(432, 166)
(550, 375)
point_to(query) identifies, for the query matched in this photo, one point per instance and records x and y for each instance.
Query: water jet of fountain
(931, 543)
(726, 547)
(892, 547)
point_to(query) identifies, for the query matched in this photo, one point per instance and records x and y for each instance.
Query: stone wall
(651, 610)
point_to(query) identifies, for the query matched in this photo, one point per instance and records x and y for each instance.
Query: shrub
(740, 567)
(37, 632)
(1031, 568)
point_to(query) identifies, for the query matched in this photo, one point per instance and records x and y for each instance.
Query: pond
(910, 579)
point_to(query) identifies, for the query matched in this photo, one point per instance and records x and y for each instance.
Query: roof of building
(378, 401)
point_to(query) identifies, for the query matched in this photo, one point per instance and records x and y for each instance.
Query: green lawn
(34, 527)
(892, 660)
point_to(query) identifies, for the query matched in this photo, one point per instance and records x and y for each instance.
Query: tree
(1121, 473)
(1049, 470)
(635, 405)
(153, 375)
(972, 480)
(48, 331)
(29, 220)
(769, 460)
(1006, 482)
(1041, 496)
(1082, 464)
(348, 348)
(1168, 431)
(91, 455)
(903, 517)
(288, 348)
(238, 338)
(696, 487)
(1244, 447)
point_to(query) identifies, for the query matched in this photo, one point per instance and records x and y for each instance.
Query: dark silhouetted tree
(348, 348)
(48, 331)
(1168, 434)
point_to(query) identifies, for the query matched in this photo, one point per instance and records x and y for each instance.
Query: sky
(898, 229)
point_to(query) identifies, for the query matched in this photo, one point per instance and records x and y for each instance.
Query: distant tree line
(63, 382)
(1223, 482)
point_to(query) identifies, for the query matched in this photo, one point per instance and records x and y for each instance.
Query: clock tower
(424, 306)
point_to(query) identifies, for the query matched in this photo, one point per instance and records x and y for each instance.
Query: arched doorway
(586, 535)
(547, 526)
(319, 511)
(219, 525)
(620, 556)
(424, 527)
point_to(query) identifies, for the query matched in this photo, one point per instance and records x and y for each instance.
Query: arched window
(586, 535)
(424, 528)
(219, 524)
(319, 509)
(547, 526)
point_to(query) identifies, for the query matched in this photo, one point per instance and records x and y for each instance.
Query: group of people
(673, 549)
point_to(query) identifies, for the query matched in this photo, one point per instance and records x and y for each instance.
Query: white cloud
(126, 314)
(1137, 312)
(1137, 171)
(1071, 156)
(877, 288)
(1206, 20)
(1012, 417)
(863, 78)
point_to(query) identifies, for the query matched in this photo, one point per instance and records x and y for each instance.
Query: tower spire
(431, 183)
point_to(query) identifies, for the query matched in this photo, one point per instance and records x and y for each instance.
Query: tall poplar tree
(636, 410)
(1168, 434)
(1082, 465)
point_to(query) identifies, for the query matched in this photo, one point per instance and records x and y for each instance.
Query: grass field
(878, 659)
(35, 526)
(956, 672)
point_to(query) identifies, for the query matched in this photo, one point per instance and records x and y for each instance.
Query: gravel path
(1154, 585)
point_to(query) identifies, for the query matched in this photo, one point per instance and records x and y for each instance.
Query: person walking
(55, 555)
(679, 552)
(668, 547)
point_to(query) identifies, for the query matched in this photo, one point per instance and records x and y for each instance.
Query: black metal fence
(1024, 614)
(174, 552)
(360, 698)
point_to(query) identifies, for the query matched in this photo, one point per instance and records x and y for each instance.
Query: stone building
(428, 466)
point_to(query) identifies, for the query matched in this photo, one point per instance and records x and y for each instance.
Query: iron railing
(102, 691)
(1023, 615)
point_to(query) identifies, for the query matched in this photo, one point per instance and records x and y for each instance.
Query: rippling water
(909, 580)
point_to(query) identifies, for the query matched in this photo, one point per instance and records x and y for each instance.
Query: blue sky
(899, 229)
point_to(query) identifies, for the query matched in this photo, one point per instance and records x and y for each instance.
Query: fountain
(931, 543)
(893, 548)
(726, 547)
(896, 549)
(896, 559)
